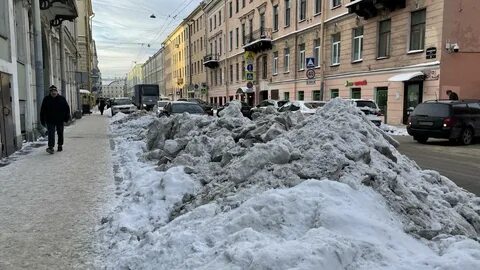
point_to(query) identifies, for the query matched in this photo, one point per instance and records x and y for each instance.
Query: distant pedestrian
(101, 106)
(54, 112)
(452, 95)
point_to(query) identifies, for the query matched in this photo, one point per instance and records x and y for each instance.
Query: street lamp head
(153, 16)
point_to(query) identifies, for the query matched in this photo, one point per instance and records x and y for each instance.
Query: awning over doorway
(245, 90)
(405, 76)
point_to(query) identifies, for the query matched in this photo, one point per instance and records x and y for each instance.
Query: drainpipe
(63, 86)
(38, 50)
(322, 52)
(295, 55)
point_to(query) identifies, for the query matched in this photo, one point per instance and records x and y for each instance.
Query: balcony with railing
(259, 40)
(211, 60)
(371, 8)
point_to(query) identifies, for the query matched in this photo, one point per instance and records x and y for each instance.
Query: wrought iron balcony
(58, 11)
(260, 40)
(211, 60)
(370, 8)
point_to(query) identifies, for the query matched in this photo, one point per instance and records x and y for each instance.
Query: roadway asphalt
(459, 163)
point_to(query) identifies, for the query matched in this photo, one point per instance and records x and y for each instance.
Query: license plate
(425, 123)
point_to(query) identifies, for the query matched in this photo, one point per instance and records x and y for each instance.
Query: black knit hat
(53, 88)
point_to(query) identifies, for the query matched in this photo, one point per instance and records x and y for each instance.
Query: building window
(316, 51)
(301, 56)
(243, 3)
(236, 37)
(316, 95)
(237, 72)
(219, 18)
(384, 28)
(243, 33)
(301, 95)
(215, 21)
(356, 93)
(243, 70)
(236, 6)
(262, 23)
(303, 10)
(333, 93)
(417, 30)
(318, 6)
(265, 68)
(220, 46)
(231, 41)
(286, 96)
(274, 95)
(275, 18)
(230, 9)
(286, 61)
(287, 13)
(211, 25)
(336, 3)
(336, 49)
(231, 73)
(250, 28)
(357, 47)
(275, 63)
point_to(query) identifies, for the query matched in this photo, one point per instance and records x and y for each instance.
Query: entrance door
(263, 95)
(412, 97)
(7, 128)
(381, 97)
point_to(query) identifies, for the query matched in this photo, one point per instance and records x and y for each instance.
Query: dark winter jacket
(453, 96)
(55, 110)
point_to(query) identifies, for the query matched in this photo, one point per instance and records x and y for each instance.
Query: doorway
(7, 126)
(381, 97)
(263, 95)
(413, 95)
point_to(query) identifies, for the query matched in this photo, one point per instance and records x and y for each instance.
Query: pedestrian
(452, 95)
(54, 112)
(101, 106)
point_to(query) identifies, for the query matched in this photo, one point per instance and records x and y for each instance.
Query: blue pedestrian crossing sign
(249, 76)
(310, 62)
(250, 67)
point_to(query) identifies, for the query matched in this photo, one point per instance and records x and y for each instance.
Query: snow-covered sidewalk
(50, 204)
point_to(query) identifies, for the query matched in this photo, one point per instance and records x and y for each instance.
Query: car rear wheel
(467, 136)
(420, 139)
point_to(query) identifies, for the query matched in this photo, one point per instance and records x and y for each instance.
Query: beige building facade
(197, 86)
(175, 63)
(134, 76)
(153, 71)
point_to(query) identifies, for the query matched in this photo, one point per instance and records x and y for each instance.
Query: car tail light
(449, 122)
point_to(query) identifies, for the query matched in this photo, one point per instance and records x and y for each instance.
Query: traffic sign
(249, 56)
(250, 67)
(310, 62)
(311, 82)
(310, 74)
(249, 85)
(249, 76)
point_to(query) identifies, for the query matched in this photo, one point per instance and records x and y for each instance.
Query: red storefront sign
(357, 83)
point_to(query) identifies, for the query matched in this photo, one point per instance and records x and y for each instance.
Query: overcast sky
(123, 30)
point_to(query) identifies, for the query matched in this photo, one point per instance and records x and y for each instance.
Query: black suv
(458, 121)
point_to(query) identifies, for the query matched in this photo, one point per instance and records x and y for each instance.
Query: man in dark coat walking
(101, 105)
(452, 95)
(54, 112)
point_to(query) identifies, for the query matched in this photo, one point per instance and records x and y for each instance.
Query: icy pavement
(280, 192)
(50, 204)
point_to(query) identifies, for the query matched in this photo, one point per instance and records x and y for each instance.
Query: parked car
(305, 107)
(458, 121)
(208, 108)
(160, 105)
(179, 107)
(123, 105)
(269, 103)
(370, 109)
(246, 109)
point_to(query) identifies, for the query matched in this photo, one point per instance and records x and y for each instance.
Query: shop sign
(431, 53)
(358, 83)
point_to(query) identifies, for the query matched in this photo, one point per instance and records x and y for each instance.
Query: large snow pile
(281, 192)
(394, 130)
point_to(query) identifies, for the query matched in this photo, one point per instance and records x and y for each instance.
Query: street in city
(459, 163)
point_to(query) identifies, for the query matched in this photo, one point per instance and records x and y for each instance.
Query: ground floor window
(356, 93)
(301, 95)
(274, 95)
(286, 96)
(231, 98)
(316, 95)
(333, 93)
